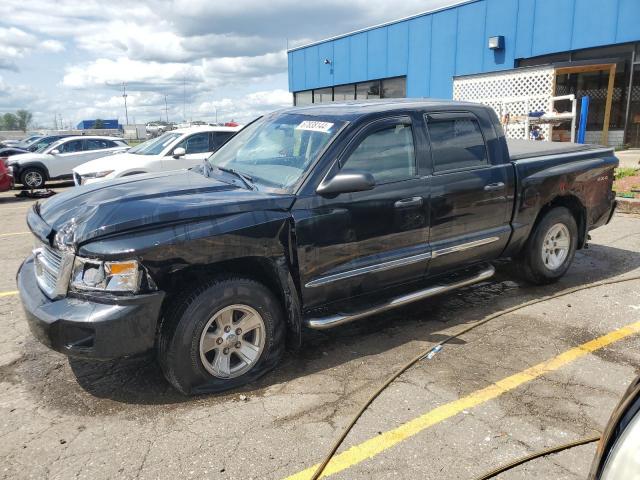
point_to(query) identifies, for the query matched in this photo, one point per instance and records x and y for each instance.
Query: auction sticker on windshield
(315, 126)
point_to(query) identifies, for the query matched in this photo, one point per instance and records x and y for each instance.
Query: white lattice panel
(516, 92)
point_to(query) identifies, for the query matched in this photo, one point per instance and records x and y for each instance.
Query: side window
(97, 144)
(388, 154)
(198, 143)
(71, 147)
(456, 142)
(218, 138)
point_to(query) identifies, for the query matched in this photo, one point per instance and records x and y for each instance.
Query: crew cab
(310, 217)
(180, 148)
(56, 160)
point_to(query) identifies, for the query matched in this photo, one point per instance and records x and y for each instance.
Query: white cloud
(104, 72)
(245, 109)
(52, 46)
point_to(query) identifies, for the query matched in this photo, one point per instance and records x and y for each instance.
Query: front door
(471, 193)
(70, 155)
(357, 243)
(197, 147)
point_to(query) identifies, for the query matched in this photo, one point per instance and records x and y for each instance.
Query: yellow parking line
(13, 234)
(380, 443)
(9, 293)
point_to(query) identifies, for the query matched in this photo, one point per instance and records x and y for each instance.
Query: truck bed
(520, 149)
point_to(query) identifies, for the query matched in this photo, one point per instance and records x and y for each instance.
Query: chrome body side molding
(380, 267)
(464, 246)
(333, 320)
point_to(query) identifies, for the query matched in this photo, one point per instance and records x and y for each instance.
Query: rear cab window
(457, 142)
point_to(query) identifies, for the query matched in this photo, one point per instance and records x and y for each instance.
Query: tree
(98, 124)
(9, 121)
(24, 118)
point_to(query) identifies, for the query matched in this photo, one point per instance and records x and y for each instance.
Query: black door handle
(493, 186)
(408, 202)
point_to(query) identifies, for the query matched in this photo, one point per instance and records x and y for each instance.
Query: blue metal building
(111, 124)
(419, 56)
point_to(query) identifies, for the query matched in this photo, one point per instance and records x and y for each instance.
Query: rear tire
(202, 347)
(33, 178)
(551, 247)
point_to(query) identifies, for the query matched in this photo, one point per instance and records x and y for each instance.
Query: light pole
(216, 108)
(124, 95)
(166, 108)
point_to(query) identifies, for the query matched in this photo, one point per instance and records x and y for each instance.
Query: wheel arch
(577, 209)
(273, 273)
(24, 166)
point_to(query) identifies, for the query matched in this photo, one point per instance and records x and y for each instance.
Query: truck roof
(356, 109)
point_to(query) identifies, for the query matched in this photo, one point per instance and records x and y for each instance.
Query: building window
(394, 87)
(323, 95)
(368, 90)
(303, 98)
(343, 93)
(386, 88)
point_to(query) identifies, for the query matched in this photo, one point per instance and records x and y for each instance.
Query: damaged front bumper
(99, 327)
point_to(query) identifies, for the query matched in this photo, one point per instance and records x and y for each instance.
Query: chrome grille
(53, 269)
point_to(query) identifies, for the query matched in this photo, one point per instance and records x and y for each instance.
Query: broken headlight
(95, 275)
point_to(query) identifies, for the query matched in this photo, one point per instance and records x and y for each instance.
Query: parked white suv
(57, 160)
(174, 150)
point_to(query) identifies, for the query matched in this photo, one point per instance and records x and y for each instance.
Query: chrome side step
(336, 319)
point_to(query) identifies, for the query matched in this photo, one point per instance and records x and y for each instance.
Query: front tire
(551, 247)
(222, 335)
(33, 178)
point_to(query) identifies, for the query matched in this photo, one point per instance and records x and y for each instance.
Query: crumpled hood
(141, 201)
(104, 163)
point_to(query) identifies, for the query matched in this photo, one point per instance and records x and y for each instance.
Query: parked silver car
(56, 161)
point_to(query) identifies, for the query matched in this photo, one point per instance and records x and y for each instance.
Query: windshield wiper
(247, 180)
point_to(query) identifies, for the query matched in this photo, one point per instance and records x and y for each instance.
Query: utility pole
(184, 99)
(124, 95)
(166, 108)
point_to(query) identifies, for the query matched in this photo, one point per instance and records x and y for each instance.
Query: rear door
(357, 243)
(471, 192)
(98, 148)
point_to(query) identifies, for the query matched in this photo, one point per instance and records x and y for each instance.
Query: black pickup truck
(309, 217)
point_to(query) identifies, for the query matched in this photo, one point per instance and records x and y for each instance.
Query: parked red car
(6, 179)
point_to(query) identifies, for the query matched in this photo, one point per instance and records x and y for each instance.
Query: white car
(174, 150)
(57, 160)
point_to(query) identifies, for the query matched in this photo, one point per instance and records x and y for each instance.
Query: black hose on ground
(539, 454)
(438, 346)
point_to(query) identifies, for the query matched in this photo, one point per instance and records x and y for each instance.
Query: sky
(66, 61)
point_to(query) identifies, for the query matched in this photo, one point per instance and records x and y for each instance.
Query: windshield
(43, 143)
(30, 140)
(155, 146)
(278, 149)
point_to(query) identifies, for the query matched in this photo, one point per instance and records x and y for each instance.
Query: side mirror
(179, 152)
(347, 181)
(55, 152)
